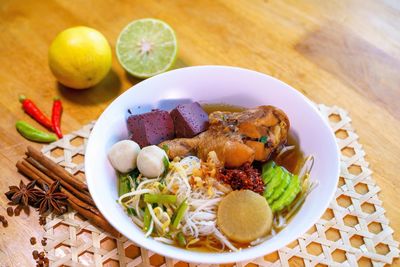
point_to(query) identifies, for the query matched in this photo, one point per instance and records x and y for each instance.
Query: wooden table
(344, 53)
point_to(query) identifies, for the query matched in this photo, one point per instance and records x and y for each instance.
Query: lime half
(147, 47)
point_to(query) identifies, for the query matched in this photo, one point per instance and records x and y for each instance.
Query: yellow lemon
(80, 57)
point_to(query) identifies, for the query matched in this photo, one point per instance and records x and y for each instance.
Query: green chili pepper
(33, 134)
(181, 239)
(178, 215)
(146, 219)
(159, 198)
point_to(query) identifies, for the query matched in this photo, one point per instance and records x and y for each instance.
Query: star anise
(51, 199)
(23, 194)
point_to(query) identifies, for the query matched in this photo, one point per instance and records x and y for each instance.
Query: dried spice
(245, 177)
(40, 258)
(33, 241)
(42, 220)
(17, 210)
(51, 199)
(5, 223)
(10, 211)
(35, 254)
(23, 194)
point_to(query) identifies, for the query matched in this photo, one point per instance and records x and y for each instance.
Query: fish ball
(123, 155)
(150, 161)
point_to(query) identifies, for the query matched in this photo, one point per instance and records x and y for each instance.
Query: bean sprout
(194, 182)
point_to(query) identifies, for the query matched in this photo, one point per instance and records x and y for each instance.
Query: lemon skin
(80, 57)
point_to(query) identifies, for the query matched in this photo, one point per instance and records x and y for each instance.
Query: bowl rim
(212, 257)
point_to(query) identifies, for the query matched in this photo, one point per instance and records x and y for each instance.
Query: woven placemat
(353, 230)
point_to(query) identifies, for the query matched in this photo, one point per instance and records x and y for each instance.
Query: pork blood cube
(189, 120)
(151, 128)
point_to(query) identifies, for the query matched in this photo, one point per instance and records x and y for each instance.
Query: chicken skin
(236, 137)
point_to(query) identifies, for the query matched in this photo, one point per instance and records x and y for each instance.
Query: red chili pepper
(56, 116)
(33, 111)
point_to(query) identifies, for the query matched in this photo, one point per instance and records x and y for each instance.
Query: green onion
(146, 219)
(131, 211)
(180, 211)
(263, 139)
(166, 165)
(160, 199)
(125, 181)
(161, 187)
(165, 148)
(181, 239)
(124, 184)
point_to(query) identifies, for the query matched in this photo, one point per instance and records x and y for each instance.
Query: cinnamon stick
(98, 220)
(80, 194)
(56, 169)
(49, 181)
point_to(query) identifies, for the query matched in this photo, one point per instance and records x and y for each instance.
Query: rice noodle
(194, 181)
(224, 240)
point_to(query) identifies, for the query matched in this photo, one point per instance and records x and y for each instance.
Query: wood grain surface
(344, 53)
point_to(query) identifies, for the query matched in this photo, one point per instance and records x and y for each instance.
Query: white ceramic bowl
(213, 84)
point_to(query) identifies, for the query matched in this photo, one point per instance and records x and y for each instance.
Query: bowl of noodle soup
(317, 167)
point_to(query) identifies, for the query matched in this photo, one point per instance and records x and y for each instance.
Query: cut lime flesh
(146, 47)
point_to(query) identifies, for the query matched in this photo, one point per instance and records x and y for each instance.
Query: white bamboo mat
(353, 230)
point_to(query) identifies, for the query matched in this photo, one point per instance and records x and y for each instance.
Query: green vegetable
(263, 139)
(33, 134)
(166, 164)
(165, 148)
(178, 215)
(160, 198)
(278, 191)
(146, 219)
(274, 182)
(131, 211)
(125, 181)
(181, 239)
(288, 196)
(267, 171)
(161, 187)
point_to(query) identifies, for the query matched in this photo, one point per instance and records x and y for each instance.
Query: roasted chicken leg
(236, 137)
